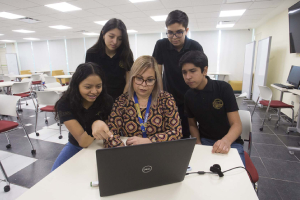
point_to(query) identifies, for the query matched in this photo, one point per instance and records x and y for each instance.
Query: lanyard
(143, 123)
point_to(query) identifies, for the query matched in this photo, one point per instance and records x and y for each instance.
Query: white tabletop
(6, 83)
(58, 89)
(72, 180)
(295, 91)
(218, 73)
(63, 76)
(280, 88)
(41, 71)
(20, 76)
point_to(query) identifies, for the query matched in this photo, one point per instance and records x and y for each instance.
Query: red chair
(22, 90)
(247, 136)
(36, 81)
(265, 94)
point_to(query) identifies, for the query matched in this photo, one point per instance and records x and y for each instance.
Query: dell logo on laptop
(147, 169)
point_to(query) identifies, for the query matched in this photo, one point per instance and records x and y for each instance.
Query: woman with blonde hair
(145, 113)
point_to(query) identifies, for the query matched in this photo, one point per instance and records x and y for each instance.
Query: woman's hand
(100, 130)
(137, 140)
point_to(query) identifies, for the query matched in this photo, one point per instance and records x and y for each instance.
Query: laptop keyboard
(283, 86)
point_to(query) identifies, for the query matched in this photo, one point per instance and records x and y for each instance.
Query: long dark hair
(72, 96)
(124, 48)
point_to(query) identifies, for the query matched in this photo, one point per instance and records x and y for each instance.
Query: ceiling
(203, 15)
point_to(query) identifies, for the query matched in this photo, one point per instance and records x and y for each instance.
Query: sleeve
(198, 46)
(64, 112)
(187, 110)
(230, 103)
(115, 123)
(172, 123)
(157, 53)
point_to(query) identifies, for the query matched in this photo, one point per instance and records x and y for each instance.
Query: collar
(208, 87)
(186, 46)
(116, 56)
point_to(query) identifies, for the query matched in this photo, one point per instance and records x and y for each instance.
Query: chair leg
(278, 121)
(254, 107)
(33, 151)
(36, 119)
(7, 187)
(262, 126)
(293, 117)
(8, 146)
(46, 120)
(60, 137)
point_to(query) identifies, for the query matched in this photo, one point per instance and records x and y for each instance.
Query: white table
(62, 76)
(58, 89)
(282, 91)
(72, 180)
(6, 84)
(71, 72)
(19, 77)
(44, 72)
(218, 74)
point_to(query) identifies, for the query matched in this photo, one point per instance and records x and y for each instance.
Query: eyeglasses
(139, 81)
(178, 34)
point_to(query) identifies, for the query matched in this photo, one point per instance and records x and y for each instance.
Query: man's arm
(194, 129)
(223, 145)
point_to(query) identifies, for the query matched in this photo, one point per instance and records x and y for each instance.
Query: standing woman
(112, 52)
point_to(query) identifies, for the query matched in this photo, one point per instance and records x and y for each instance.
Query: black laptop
(130, 168)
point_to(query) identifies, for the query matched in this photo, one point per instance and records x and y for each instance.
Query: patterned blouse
(163, 121)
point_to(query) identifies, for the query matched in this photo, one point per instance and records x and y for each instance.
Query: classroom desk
(43, 72)
(72, 180)
(19, 77)
(6, 84)
(57, 89)
(218, 74)
(62, 76)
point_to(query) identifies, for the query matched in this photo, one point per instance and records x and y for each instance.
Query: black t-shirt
(86, 120)
(210, 107)
(166, 54)
(114, 70)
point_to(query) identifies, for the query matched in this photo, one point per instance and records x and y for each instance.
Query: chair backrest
(246, 124)
(240, 99)
(6, 78)
(22, 87)
(48, 98)
(25, 72)
(265, 93)
(27, 80)
(51, 85)
(36, 77)
(8, 105)
(50, 79)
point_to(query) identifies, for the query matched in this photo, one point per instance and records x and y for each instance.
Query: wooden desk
(62, 76)
(57, 89)
(72, 180)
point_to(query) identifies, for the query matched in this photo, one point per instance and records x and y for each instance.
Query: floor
(279, 176)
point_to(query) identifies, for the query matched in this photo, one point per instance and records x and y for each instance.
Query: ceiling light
(231, 13)
(23, 31)
(63, 7)
(60, 27)
(31, 38)
(1, 34)
(159, 18)
(10, 15)
(131, 31)
(90, 33)
(225, 25)
(101, 22)
(139, 1)
(7, 40)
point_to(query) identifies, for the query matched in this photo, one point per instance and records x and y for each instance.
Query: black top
(114, 70)
(86, 120)
(166, 54)
(210, 107)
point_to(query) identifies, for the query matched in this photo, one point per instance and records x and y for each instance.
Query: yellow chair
(60, 72)
(236, 85)
(25, 72)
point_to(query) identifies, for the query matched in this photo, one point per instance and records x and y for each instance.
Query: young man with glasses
(167, 52)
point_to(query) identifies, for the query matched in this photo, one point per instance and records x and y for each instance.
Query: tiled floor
(279, 176)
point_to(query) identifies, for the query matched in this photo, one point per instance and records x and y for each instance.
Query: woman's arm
(83, 139)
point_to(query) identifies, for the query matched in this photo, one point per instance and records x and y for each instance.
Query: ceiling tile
(94, 18)
(45, 2)
(101, 11)
(113, 2)
(204, 9)
(176, 3)
(124, 8)
(151, 5)
(146, 19)
(258, 11)
(201, 20)
(135, 15)
(266, 4)
(205, 2)
(206, 15)
(118, 16)
(26, 13)
(4, 7)
(187, 10)
(43, 10)
(62, 16)
(45, 18)
(236, 6)
(156, 12)
(86, 4)
(238, 1)
(77, 20)
(19, 3)
(82, 13)
(252, 16)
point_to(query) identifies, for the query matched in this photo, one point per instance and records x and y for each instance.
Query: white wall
(58, 55)
(146, 43)
(76, 53)
(41, 55)
(26, 56)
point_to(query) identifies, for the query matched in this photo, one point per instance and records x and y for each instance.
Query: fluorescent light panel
(101, 22)
(90, 33)
(7, 40)
(159, 18)
(61, 27)
(10, 15)
(131, 31)
(63, 7)
(231, 13)
(140, 1)
(23, 31)
(225, 25)
(31, 38)
(1, 34)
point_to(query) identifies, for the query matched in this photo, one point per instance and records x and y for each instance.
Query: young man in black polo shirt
(212, 104)
(167, 52)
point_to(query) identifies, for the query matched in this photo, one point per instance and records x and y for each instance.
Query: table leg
(279, 110)
(60, 81)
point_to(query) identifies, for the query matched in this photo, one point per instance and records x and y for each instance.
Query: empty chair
(48, 98)
(22, 90)
(36, 81)
(8, 107)
(6, 78)
(239, 99)
(50, 79)
(247, 136)
(51, 85)
(265, 94)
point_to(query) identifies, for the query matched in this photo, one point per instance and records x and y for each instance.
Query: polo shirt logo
(121, 64)
(218, 103)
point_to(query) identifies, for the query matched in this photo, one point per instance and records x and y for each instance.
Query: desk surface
(63, 76)
(280, 88)
(58, 89)
(72, 180)
(6, 83)
(20, 76)
(218, 73)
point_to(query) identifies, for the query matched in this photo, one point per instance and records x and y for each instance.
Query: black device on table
(293, 79)
(130, 168)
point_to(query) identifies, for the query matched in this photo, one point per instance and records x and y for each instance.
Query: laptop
(130, 168)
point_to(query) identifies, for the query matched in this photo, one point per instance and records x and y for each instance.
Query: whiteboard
(12, 63)
(248, 69)
(262, 62)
